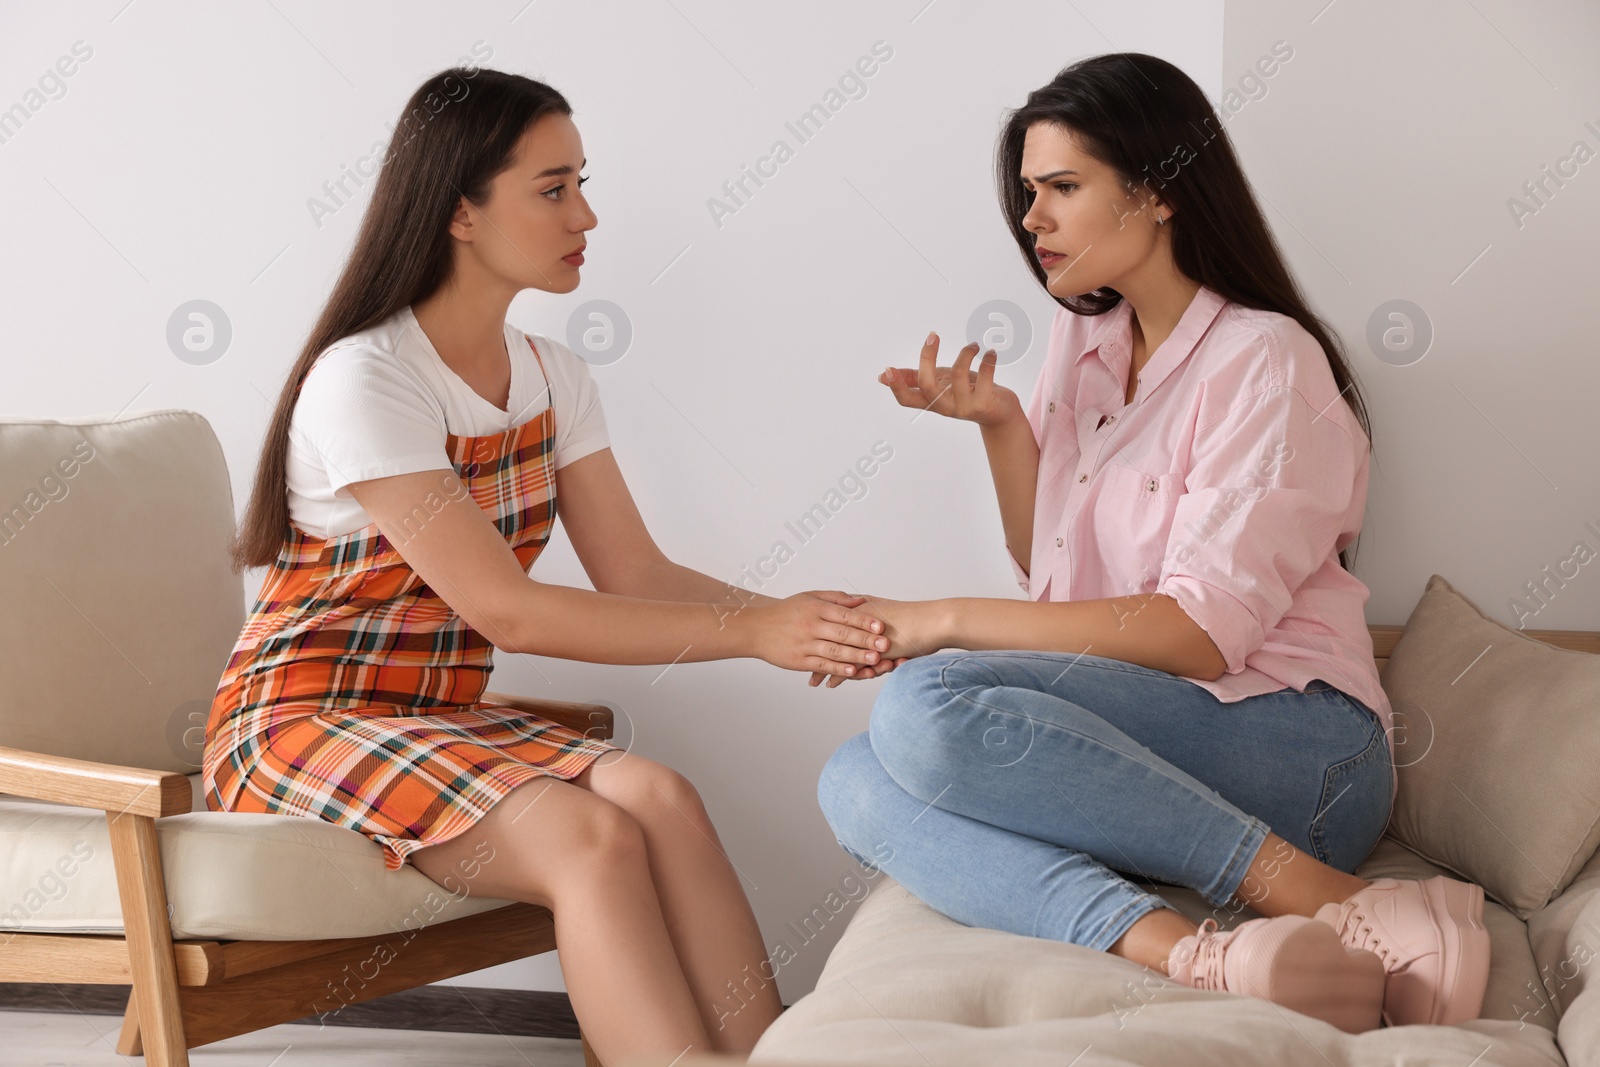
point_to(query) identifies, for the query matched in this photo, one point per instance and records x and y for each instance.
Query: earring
(1161, 220)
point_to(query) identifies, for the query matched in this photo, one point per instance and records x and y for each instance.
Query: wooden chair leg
(589, 1058)
(128, 1043)
(142, 891)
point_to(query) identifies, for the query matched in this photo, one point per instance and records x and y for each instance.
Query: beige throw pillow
(1497, 750)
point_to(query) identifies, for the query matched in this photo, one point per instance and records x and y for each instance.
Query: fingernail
(932, 337)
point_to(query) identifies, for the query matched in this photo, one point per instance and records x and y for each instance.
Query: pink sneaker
(1431, 938)
(1290, 960)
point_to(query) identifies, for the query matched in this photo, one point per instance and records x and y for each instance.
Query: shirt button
(1083, 477)
(1111, 418)
(1058, 542)
(1151, 485)
(1052, 405)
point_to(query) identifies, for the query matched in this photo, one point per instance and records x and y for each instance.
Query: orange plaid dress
(352, 692)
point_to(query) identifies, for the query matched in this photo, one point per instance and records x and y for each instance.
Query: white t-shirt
(380, 402)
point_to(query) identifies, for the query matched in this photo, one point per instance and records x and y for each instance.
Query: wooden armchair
(121, 611)
(192, 991)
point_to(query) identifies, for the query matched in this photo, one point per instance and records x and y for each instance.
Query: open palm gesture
(956, 391)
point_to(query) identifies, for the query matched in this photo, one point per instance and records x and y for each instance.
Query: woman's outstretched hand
(914, 628)
(818, 631)
(956, 391)
(883, 666)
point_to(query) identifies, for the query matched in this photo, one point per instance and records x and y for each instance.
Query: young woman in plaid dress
(353, 692)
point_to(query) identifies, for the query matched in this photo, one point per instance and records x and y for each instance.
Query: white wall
(1394, 154)
(179, 161)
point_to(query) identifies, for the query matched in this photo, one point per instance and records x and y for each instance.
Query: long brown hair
(458, 130)
(1134, 112)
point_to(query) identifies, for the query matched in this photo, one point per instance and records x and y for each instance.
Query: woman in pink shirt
(1188, 694)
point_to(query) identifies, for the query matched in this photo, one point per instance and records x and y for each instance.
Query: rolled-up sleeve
(1266, 495)
(1016, 568)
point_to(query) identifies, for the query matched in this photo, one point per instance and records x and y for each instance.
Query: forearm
(666, 580)
(1014, 466)
(663, 609)
(1149, 629)
(579, 624)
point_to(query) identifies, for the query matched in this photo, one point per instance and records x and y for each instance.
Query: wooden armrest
(1385, 638)
(591, 720)
(83, 783)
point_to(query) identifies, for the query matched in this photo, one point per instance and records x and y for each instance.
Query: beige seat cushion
(1499, 775)
(229, 875)
(908, 986)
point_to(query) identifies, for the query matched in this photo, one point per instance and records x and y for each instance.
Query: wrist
(736, 629)
(1012, 420)
(946, 622)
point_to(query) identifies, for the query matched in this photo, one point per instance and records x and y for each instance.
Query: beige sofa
(1499, 777)
(907, 986)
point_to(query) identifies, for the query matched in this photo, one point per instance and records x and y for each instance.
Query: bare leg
(1152, 936)
(555, 844)
(1282, 880)
(707, 913)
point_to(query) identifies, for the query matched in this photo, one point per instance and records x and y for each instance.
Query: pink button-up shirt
(1230, 484)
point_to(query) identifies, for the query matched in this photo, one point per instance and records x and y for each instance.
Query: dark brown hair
(1149, 122)
(458, 131)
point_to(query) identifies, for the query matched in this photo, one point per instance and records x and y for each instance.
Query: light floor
(55, 1039)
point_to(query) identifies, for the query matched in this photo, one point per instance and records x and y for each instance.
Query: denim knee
(842, 790)
(926, 730)
(904, 731)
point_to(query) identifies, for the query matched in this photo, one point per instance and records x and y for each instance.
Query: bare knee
(593, 841)
(542, 839)
(658, 797)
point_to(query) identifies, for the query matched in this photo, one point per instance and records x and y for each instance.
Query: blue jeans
(1007, 789)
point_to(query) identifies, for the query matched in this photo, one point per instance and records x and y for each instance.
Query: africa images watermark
(52, 86)
(1205, 527)
(1252, 86)
(52, 489)
(384, 951)
(852, 485)
(1538, 191)
(48, 888)
(756, 977)
(1553, 982)
(851, 85)
(366, 168)
(1541, 591)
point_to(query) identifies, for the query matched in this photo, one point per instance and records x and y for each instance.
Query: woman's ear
(461, 227)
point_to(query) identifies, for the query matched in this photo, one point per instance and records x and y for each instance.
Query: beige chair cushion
(121, 606)
(909, 986)
(229, 875)
(1499, 773)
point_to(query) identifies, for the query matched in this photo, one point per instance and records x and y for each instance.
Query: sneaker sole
(1315, 974)
(1457, 907)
